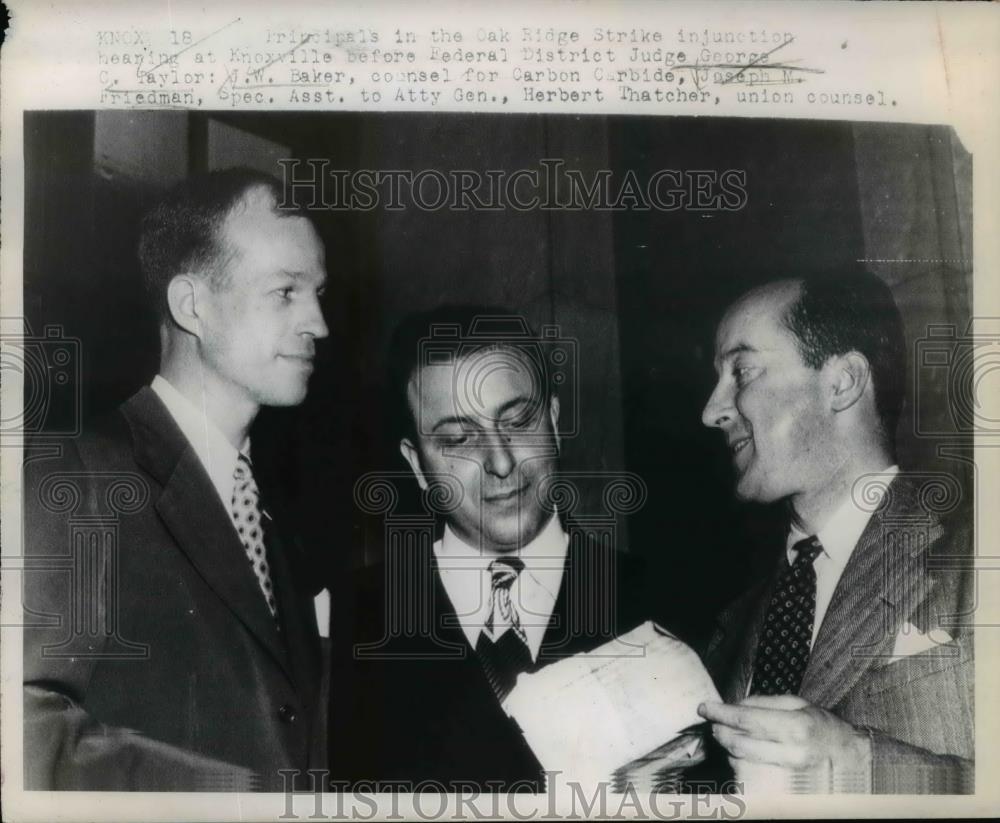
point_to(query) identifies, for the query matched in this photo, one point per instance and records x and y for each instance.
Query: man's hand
(791, 733)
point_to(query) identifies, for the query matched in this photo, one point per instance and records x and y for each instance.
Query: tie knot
(243, 470)
(504, 571)
(245, 486)
(806, 551)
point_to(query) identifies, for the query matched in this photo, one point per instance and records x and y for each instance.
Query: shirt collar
(840, 534)
(465, 576)
(213, 448)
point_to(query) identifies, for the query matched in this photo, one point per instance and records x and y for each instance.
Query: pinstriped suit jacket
(907, 574)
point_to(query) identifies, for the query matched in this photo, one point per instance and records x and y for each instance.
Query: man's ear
(412, 456)
(182, 300)
(851, 376)
(554, 417)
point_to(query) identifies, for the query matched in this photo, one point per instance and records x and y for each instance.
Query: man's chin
(291, 396)
(750, 491)
(514, 538)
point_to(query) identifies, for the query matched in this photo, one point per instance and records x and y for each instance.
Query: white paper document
(588, 715)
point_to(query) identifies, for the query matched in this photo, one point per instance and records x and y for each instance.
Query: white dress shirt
(839, 535)
(214, 450)
(467, 581)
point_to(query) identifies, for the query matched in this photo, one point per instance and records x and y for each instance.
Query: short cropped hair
(181, 233)
(853, 310)
(462, 330)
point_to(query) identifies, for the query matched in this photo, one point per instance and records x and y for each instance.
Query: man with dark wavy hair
(193, 654)
(507, 585)
(848, 667)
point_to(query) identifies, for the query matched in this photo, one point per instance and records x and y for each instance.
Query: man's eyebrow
(295, 274)
(514, 401)
(739, 348)
(731, 352)
(447, 421)
(470, 422)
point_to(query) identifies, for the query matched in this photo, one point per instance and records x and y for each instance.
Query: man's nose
(314, 324)
(718, 409)
(498, 459)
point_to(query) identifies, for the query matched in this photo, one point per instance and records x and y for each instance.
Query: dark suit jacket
(907, 570)
(160, 667)
(423, 709)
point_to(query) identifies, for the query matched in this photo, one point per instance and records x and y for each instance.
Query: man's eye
(457, 438)
(743, 374)
(525, 417)
(285, 293)
(522, 421)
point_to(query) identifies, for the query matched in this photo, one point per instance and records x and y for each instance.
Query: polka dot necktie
(786, 635)
(503, 644)
(247, 515)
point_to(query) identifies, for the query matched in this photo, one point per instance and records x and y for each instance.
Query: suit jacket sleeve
(64, 746)
(899, 768)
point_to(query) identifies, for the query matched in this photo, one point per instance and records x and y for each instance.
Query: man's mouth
(304, 360)
(503, 497)
(738, 445)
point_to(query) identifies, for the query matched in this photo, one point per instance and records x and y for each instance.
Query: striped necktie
(503, 645)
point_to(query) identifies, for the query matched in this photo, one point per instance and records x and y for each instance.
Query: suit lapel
(295, 610)
(744, 621)
(192, 511)
(557, 633)
(448, 637)
(587, 610)
(730, 656)
(883, 583)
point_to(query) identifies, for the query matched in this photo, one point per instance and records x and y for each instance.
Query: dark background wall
(638, 291)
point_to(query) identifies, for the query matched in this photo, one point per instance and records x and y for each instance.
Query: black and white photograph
(414, 454)
(641, 362)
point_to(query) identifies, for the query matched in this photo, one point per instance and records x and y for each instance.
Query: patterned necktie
(246, 512)
(786, 634)
(503, 615)
(503, 645)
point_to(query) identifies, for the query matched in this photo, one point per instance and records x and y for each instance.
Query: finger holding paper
(788, 732)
